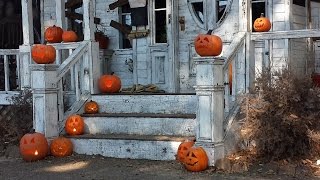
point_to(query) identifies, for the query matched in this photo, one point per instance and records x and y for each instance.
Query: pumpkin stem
(209, 32)
(112, 73)
(32, 131)
(262, 15)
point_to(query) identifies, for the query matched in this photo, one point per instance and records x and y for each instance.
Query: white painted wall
(315, 16)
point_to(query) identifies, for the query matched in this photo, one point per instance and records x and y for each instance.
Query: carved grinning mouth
(192, 164)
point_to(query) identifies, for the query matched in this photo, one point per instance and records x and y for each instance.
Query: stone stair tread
(133, 137)
(141, 115)
(143, 94)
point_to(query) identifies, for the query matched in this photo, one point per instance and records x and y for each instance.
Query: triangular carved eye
(184, 148)
(193, 155)
(198, 39)
(25, 142)
(206, 39)
(32, 141)
(179, 148)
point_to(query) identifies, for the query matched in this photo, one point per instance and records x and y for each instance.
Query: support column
(60, 14)
(45, 99)
(210, 113)
(88, 20)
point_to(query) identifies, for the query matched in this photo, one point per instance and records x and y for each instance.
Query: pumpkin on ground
(43, 54)
(91, 107)
(69, 36)
(74, 125)
(208, 45)
(196, 159)
(61, 147)
(53, 34)
(109, 83)
(262, 24)
(183, 150)
(33, 147)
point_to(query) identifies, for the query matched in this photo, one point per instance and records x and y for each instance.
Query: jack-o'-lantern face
(183, 150)
(74, 125)
(91, 107)
(262, 24)
(61, 147)
(196, 159)
(208, 45)
(33, 147)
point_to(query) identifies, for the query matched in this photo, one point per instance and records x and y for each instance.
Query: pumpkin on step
(43, 54)
(33, 147)
(61, 147)
(53, 34)
(196, 159)
(74, 125)
(208, 45)
(109, 83)
(183, 149)
(91, 107)
(262, 24)
(69, 36)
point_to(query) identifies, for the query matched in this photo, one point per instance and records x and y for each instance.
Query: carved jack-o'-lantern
(91, 107)
(61, 147)
(262, 24)
(53, 34)
(183, 150)
(208, 45)
(33, 147)
(109, 83)
(196, 159)
(74, 125)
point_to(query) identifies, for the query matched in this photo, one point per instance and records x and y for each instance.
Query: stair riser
(166, 104)
(140, 126)
(133, 149)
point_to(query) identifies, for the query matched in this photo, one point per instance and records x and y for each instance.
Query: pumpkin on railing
(53, 34)
(262, 24)
(208, 45)
(69, 36)
(43, 54)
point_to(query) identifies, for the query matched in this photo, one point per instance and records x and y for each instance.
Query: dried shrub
(281, 113)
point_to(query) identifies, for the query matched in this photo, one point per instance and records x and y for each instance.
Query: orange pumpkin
(43, 54)
(53, 34)
(183, 150)
(61, 147)
(262, 24)
(109, 83)
(33, 147)
(208, 45)
(69, 36)
(196, 159)
(74, 125)
(91, 107)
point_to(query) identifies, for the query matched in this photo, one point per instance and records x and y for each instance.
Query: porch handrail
(234, 47)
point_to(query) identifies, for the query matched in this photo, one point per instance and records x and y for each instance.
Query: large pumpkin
(91, 107)
(69, 36)
(196, 159)
(61, 147)
(183, 150)
(33, 147)
(74, 125)
(262, 24)
(208, 45)
(109, 83)
(43, 54)
(53, 34)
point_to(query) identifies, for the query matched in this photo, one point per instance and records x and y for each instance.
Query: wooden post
(60, 14)
(45, 99)
(210, 113)
(212, 15)
(88, 20)
(244, 15)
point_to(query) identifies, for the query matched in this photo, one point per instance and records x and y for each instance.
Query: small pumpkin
(262, 24)
(33, 147)
(74, 125)
(53, 34)
(109, 83)
(69, 36)
(43, 54)
(91, 107)
(61, 147)
(208, 45)
(183, 149)
(196, 159)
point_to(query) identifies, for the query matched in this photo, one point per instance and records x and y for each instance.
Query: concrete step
(128, 146)
(140, 124)
(147, 103)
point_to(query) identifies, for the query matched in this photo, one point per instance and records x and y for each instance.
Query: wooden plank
(122, 28)
(27, 22)
(6, 74)
(77, 16)
(118, 4)
(293, 34)
(61, 46)
(60, 14)
(73, 4)
(88, 21)
(9, 51)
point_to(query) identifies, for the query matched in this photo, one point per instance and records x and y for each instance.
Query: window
(160, 21)
(198, 10)
(299, 3)
(258, 7)
(125, 17)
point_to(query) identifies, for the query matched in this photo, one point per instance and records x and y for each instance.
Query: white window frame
(152, 20)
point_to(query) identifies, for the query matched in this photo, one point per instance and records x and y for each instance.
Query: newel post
(210, 113)
(45, 98)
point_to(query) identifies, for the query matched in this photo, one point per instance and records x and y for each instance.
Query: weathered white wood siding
(315, 18)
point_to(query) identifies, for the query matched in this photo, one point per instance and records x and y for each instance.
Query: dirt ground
(98, 167)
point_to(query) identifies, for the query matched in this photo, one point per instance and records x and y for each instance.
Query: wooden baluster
(76, 80)
(72, 74)
(18, 71)
(226, 91)
(58, 56)
(6, 74)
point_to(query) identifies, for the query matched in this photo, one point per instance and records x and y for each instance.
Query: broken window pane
(159, 4)
(198, 10)
(161, 26)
